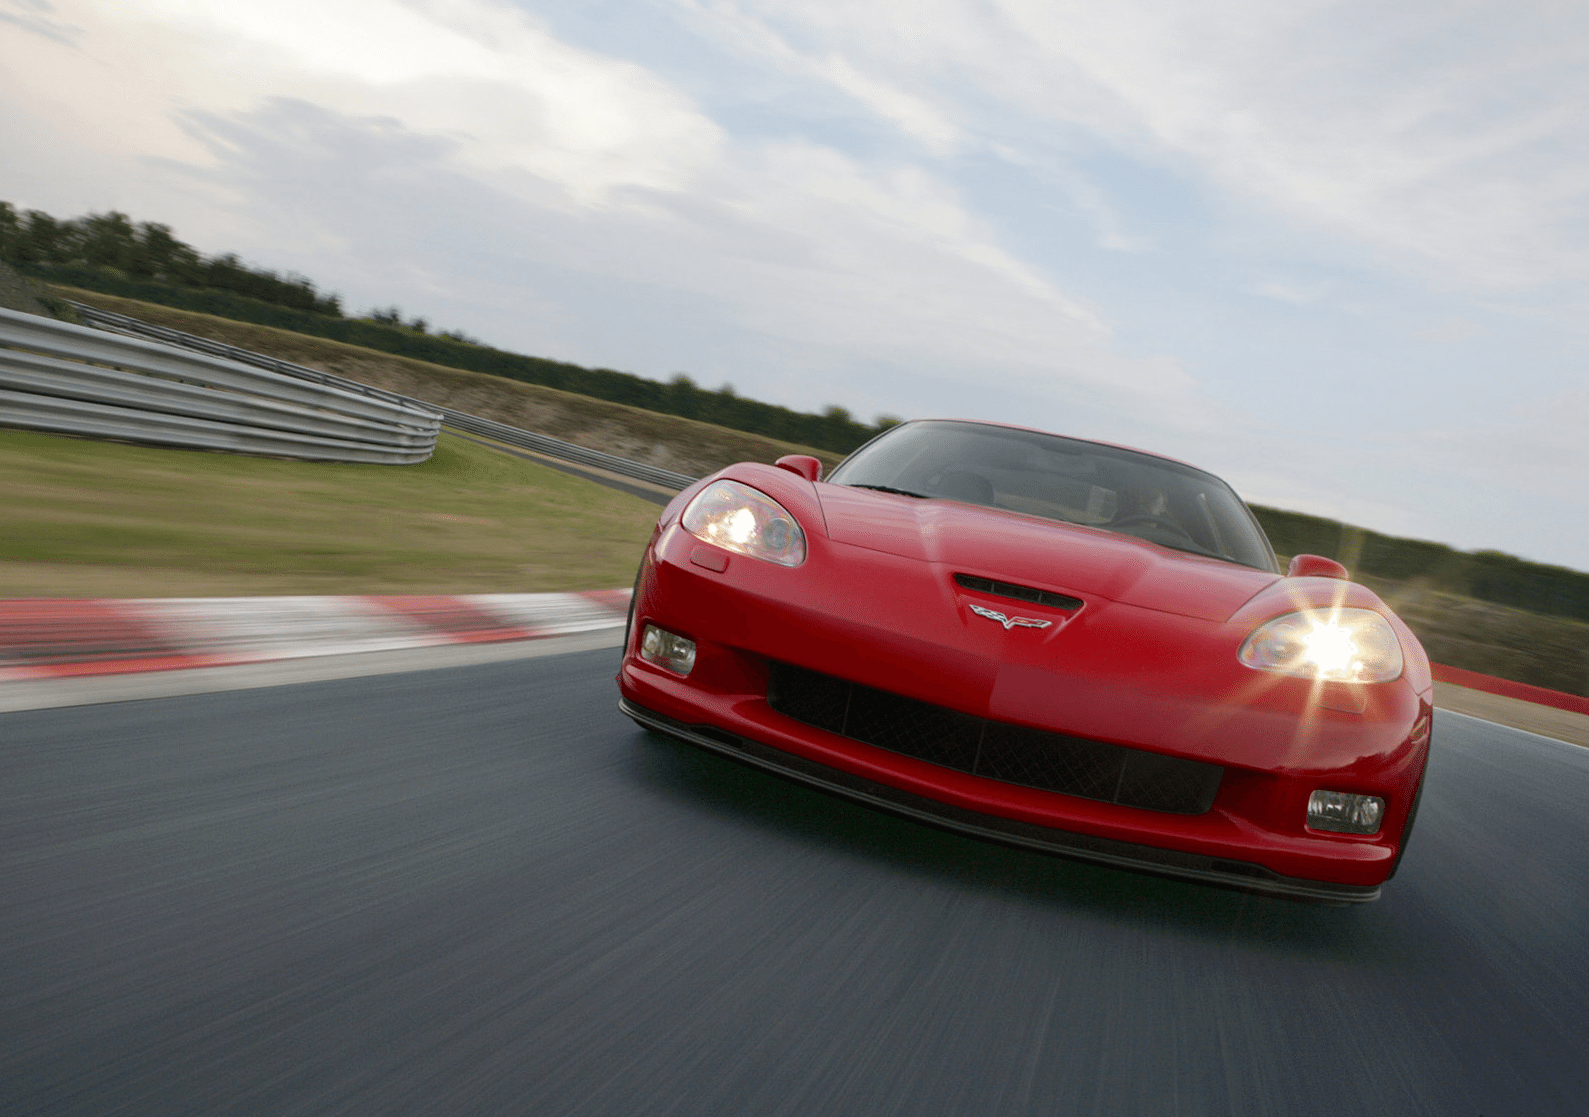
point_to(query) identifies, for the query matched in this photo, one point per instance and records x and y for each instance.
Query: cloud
(1449, 329)
(37, 17)
(482, 73)
(1445, 139)
(916, 116)
(623, 176)
(791, 242)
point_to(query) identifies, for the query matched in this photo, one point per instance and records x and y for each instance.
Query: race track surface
(480, 890)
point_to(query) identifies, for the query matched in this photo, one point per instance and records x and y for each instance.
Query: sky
(1334, 251)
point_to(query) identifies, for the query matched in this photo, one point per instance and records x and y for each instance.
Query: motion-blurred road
(480, 890)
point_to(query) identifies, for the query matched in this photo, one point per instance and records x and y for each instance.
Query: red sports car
(1059, 644)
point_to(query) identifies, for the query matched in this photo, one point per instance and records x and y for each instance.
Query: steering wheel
(1157, 521)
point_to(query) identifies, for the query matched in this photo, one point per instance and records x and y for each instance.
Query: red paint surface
(1149, 661)
(709, 557)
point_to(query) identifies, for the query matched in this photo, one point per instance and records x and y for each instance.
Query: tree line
(35, 241)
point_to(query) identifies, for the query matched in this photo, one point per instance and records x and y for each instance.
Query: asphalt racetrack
(481, 890)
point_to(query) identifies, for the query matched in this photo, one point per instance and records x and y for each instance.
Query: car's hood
(1084, 561)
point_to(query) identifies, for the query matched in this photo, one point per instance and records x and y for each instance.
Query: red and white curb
(51, 638)
(1506, 688)
(57, 638)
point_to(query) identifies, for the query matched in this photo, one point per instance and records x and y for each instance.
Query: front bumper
(1124, 855)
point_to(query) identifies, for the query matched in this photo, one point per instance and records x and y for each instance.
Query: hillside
(114, 255)
(668, 441)
(1510, 643)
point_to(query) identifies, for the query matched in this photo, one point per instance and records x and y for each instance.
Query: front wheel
(634, 595)
(1412, 813)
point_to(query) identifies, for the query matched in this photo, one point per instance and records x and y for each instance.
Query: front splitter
(1243, 875)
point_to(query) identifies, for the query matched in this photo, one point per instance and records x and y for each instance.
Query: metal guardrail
(57, 376)
(137, 327)
(472, 424)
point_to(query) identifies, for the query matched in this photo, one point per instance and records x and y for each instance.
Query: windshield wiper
(891, 489)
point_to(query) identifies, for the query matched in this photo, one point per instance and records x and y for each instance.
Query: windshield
(1065, 479)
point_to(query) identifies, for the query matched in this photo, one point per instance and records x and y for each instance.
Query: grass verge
(99, 519)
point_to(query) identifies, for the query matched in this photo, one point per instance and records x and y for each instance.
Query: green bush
(109, 244)
(1485, 575)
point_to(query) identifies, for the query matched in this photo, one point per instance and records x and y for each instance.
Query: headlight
(1339, 645)
(739, 518)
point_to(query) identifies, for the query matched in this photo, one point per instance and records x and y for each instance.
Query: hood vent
(1017, 593)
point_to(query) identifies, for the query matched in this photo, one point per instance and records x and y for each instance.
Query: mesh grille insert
(996, 750)
(1017, 593)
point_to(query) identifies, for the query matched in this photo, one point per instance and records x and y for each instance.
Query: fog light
(1344, 813)
(667, 649)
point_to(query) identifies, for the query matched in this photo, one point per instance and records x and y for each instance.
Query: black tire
(628, 625)
(1412, 813)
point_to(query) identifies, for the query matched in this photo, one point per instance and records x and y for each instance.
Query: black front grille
(1018, 592)
(995, 749)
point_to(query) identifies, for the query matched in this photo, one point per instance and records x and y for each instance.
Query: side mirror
(1315, 566)
(803, 464)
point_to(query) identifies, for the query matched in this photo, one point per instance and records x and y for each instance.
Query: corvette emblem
(1008, 622)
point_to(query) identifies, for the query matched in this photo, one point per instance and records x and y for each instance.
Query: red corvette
(1058, 644)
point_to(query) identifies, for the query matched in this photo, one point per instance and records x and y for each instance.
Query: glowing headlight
(1339, 645)
(739, 518)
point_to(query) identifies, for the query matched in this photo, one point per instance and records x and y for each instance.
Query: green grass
(81, 518)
